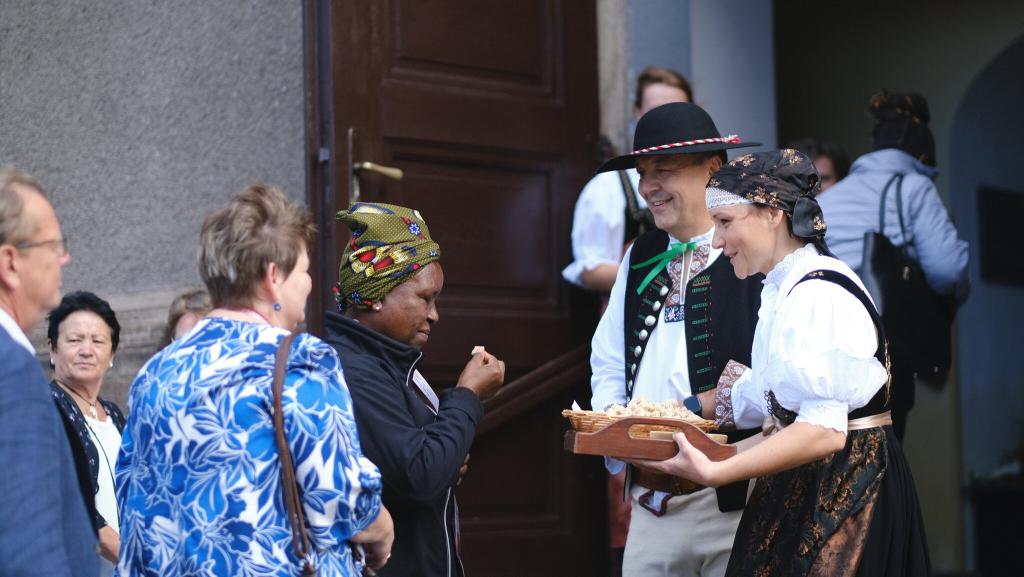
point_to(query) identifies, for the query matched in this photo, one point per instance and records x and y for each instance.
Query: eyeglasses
(61, 244)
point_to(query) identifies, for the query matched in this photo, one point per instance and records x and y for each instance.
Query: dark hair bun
(888, 106)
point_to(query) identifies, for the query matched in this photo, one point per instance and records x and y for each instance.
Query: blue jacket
(44, 528)
(851, 209)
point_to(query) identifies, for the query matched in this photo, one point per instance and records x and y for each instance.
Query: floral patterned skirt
(855, 512)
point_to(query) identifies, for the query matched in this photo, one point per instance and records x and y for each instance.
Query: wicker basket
(590, 421)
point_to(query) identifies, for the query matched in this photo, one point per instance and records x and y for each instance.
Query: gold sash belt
(879, 420)
(773, 425)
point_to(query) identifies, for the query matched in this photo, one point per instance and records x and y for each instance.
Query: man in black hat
(609, 213)
(678, 322)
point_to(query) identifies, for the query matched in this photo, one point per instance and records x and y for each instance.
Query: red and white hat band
(731, 139)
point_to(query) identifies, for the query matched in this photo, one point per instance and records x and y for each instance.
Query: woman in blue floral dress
(198, 477)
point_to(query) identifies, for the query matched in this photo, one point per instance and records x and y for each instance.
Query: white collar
(12, 328)
(699, 239)
(778, 274)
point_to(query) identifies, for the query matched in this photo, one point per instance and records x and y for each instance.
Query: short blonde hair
(14, 228)
(195, 301)
(257, 227)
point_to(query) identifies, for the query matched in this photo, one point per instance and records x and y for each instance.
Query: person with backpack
(904, 158)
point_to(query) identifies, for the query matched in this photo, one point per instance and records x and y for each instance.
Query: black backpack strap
(898, 179)
(628, 191)
(638, 220)
(631, 229)
(881, 204)
(899, 213)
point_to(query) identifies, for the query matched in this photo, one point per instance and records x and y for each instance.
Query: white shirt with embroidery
(663, 372)
(814, 347)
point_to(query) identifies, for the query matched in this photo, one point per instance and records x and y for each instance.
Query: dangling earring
(277, 307)
(52, 364)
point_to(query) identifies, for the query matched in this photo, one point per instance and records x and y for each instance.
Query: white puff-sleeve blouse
(814, 348)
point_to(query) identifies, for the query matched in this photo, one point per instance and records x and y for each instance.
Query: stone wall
(139, 118)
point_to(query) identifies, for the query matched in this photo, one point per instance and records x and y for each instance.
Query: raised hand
(484, 374)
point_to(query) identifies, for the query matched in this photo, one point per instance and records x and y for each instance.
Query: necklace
(247, 311)
(92, 404)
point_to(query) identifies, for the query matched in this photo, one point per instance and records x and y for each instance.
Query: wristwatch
(693, 403)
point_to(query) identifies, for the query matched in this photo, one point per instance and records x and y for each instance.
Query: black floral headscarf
(782, 179)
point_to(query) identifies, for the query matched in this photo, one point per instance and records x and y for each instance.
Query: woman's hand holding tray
(631, 438)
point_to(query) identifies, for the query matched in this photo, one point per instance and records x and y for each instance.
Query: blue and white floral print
(198, 477)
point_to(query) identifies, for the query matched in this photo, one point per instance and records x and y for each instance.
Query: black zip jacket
(419, 453)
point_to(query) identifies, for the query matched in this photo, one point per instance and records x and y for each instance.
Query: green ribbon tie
(660, 262)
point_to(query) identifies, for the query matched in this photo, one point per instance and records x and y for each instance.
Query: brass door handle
(359, 167)
(388, 171)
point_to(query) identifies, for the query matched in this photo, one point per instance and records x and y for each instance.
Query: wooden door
(490, 109)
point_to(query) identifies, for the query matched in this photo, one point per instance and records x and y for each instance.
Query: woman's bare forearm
(795, 445)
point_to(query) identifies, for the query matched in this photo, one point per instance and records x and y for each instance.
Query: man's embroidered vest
(720, 315)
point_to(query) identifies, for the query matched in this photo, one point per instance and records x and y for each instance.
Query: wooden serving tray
(615, 440)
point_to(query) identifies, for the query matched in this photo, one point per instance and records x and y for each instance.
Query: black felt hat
(674, 128)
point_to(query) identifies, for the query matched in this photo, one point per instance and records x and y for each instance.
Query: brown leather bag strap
(289, 485)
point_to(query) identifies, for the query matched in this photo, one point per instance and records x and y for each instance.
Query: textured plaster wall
(140, 117)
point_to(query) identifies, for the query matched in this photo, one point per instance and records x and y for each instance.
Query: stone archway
(985, 153)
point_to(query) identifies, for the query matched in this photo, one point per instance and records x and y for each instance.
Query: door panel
(496, 220)
(474, 44)
(490, 110)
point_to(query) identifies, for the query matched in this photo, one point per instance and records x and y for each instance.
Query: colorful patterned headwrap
(389, 244)
(782, 179)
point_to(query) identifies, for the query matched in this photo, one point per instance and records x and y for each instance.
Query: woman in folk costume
(834, 494)
(389, 281)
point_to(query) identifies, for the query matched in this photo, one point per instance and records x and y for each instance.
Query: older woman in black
(83, 335)
(390, 279)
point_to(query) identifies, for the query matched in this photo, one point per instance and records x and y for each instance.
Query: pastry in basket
(590, 421)
(640, 430)
(641, 407)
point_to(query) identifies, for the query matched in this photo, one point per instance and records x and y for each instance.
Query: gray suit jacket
(44, 528)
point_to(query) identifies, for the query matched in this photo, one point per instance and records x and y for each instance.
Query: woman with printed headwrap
(389, 280)
(834, 494)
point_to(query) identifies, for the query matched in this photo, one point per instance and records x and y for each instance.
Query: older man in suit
(44, 529)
